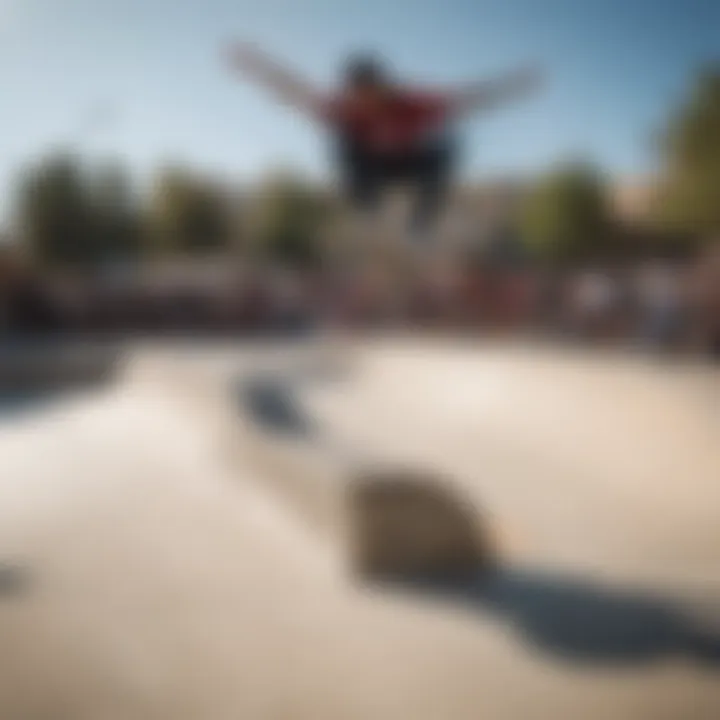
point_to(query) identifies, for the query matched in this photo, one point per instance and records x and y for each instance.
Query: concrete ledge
(56, 365)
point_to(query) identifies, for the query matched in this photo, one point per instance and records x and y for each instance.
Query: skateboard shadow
(271, 404)
(271, 399)
(15, 581)
(584, 621)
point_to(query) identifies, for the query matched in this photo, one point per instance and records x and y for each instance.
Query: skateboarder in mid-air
(386, 132)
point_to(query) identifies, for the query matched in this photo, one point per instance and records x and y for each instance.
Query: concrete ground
(162, 579)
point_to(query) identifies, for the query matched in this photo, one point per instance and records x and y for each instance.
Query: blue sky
(615, 67)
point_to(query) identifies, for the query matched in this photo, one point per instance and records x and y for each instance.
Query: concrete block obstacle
(412, 522)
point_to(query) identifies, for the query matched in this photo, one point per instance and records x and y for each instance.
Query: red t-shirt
(404, 120)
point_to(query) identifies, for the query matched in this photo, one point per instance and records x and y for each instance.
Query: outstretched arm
(488, 94)
(283, 83)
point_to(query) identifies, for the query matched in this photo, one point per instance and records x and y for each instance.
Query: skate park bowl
(166, 579)
(392, 520)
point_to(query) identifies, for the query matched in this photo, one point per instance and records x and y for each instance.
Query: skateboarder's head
(366, 77)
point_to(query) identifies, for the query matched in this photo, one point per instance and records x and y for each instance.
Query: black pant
(426, 169)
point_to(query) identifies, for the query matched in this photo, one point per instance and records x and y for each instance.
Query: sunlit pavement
(160, 579)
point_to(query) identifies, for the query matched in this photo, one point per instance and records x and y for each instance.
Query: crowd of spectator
(658, 305)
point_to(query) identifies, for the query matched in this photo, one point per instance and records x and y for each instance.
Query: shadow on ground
(15, 581)
(583, 621)
(271, 404)
(569, 617)
(271, 398)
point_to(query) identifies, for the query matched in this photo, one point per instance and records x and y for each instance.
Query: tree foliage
(187, 215)
(53, 213)
(690, 198)
(69, 216)
(292, 215)
(566, 215)
(116, 220)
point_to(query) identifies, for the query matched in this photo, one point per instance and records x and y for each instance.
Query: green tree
(116, 220)
(690, 195)
(53, 213)
(188, 215)
(566, 216)
(291, 219)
